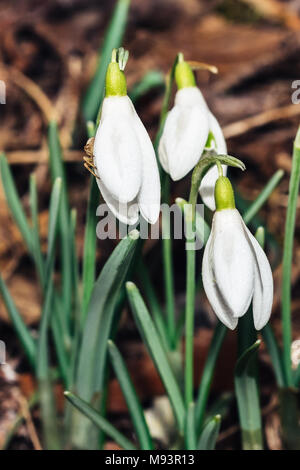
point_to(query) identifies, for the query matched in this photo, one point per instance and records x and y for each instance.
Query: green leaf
(92, 356)
(190, 429)
(89, 251)
(275, 354)
(248, 399)
(209, 435)
(151, 339)
(36, 246)
(134, 406)
(58, 171)
(202, 228)
(152, 79)
(53, 223)
(263, 196)
(287, 260)
(14, 203)
(22, 331)
(46, 397)
(153, 302)
(113, 39)
(208, 373)
(99, 421)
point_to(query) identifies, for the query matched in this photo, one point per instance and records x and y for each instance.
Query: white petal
(185, 133)
(214, 296)
(190, 96)
(215, 128)
(162, 154)
(128, 213)
(207, 187)
(263, 284)
(232, 261)
(117, 151)
(149, 195)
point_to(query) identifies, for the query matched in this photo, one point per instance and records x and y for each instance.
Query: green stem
(190, 290)
(287, 259)
(208, 372)
(168, 269)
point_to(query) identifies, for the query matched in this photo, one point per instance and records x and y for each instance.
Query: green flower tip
(184, 75)
(115, 82)
(224, 195)
(297, 139)
(134, 234)
(130, 286)
(217, 418)
(67, 393)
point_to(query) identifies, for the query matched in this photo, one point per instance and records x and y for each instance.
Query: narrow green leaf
(263, 196)
(36, 245)
(89, 251)
(275, 354)
(156, 350)
(58, 171)
(53, 223)
(99, 421)
(22, 331)
(287, 260)
(134, 406)
(155, 309)
(14, 203)
(202, 228)
(190, 429)
(208, 372)
(113, 39)
(100, 315)
(46, 397)
(152, 79)
(92, 356)
(209, 435)
(248, 399)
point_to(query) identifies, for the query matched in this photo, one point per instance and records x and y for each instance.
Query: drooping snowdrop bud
(186, 132)
(124, 157)
(235, 269)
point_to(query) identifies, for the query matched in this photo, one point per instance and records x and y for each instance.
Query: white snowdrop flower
(187, 128)
(235, 268)
(124, 157)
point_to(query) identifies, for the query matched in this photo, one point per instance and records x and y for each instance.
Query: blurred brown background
(48, 52)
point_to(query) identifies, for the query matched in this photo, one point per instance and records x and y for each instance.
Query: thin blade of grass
(53, 223)
(263, 196)
(58, 171)
(14, 203)
(92, 356)
(152, 341)
(246, 390)
(275, 354)
(152, 79)
(36, 245)
(287, 260)
(209, 435)
(190, 429)
(99, 421)
(134, 406)
(113, 39)
(208, 372)
(46, 397)
(21, 329)
(155, 309)
(89, 249)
